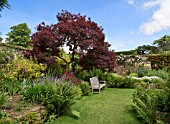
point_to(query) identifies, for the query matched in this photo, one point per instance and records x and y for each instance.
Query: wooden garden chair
(96, 85)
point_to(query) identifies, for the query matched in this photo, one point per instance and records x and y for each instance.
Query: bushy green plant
(133, 75)
(83, 75)
(145, 109)
(144, 104)
(3, 117)
(148, 103)
(56, 96)
(141, 71)
(85, 88)
(23, 69)
(118, 81)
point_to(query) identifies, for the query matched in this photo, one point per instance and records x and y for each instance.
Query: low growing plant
(85, 88)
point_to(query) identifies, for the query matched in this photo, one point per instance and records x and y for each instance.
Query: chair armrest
(103, 81)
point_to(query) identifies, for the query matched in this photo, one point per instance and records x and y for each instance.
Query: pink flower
(15, 57)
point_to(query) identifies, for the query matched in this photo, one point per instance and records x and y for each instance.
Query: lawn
(111, 106)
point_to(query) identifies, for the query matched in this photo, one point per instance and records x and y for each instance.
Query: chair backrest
(94, 81)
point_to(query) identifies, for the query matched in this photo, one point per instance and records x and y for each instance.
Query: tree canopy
(144, 49)
(4, 4)
(45, 43)
(163, 44)
(19, 35)
(83, 37)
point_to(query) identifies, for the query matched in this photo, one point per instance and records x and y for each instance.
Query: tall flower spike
(8, 57)
(15, 57)
(25, 69)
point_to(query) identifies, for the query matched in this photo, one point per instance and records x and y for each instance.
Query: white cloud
(131, 2)
(160, 19)
(151, 4)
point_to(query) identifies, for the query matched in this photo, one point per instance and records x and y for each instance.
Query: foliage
(1, 39)
(133, 75)
(3, 117)
(163, 44)
(86, 75)
(160, 73)
(152, 104)
(23, 69)
(146, 110)
(11, 86)
(118, 81)
(57, 96)
(70, 77)
(144, 49)
(30, 118)
(81, 34)
(45, 44)
(99, 57)
(19, 35)
(85, 88)
(3, 97)
(4, 53)
(159, 61)
(4, 4)
(141, 71)
(130, 52)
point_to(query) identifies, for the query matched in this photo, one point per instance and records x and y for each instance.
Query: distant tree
(4, 4)
(19, 35)
(80, 34)
(144, 49)
(163, 44)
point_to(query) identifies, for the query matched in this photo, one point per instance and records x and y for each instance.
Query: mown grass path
(111, 106)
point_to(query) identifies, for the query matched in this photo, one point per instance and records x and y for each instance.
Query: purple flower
(8, 57)
(25, 68)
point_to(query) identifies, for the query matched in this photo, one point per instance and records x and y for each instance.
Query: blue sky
(127, 23)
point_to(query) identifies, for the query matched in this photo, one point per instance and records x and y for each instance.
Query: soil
(16, 108)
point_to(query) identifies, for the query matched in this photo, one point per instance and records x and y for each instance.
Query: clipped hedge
(159, 61)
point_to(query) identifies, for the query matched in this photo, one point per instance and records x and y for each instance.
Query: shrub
(145, 105)
(70, 77)
(141, 72)
(85, 88)
(133, 75)
(23, 69)
(86, 75)
(57, 96)
(151, 105)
